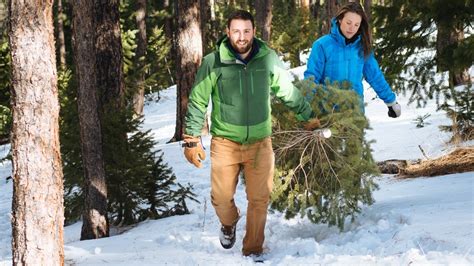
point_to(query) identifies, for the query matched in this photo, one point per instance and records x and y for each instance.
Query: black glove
(394, 110)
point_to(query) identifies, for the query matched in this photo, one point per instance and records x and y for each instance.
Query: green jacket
(241, 94)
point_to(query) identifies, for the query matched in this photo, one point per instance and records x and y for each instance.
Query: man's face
(241, 35)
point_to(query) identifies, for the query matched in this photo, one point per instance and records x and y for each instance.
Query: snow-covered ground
(414, 221)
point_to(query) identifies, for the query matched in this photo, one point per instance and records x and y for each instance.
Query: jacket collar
(228, 56)
(336, 34)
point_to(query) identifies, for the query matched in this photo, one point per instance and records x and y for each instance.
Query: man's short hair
(240, 14)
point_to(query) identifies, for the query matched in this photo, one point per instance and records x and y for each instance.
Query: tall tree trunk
(189, 55)
(139, 97)
(368, 9)
(61, 40)
(3, 15)
(316, 9)
(263, 10)
(170, 21)
(305, 4)
(205, 22)
(38, 213)
(108, 63)
(214, 22)
(449, 35)
(95, 222)
(331, 7)
(110, 81)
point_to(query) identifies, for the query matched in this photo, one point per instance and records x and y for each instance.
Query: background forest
(425, 49)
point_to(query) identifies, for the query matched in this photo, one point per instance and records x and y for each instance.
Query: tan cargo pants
(257, 161)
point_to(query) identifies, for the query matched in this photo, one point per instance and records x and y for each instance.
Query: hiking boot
(257, 257)
(227, 235)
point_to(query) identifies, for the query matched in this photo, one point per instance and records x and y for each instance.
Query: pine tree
(140, 184)
(325, 179)
(461, 112)
(293, 30)
(425, 50)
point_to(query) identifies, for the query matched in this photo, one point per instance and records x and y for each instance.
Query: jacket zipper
(247, 101)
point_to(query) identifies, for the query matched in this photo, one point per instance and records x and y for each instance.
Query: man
(239, 78)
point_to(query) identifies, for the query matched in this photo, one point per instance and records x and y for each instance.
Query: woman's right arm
(316, 62)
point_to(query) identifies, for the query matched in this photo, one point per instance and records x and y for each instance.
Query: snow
(417, 221)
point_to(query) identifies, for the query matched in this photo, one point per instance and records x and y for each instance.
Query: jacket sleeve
(374, 76)
(283, 88)
(199, 98)
(316, 63)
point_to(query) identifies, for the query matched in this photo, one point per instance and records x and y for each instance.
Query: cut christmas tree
(324, 177)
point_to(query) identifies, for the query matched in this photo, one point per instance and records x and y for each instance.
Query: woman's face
(350, 24)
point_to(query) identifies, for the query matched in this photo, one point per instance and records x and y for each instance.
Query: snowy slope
(414, 221)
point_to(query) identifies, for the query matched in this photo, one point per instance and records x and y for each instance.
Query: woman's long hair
(364, 29)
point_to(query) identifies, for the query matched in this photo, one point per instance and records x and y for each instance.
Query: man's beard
(242, 49)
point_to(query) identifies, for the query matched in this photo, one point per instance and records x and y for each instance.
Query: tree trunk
(368, 9)
(331, 7)
(139, 97)
(61, 40)
(110, 82)
(38, 214)
(169, 21)
(449, 35)
(205, 22)
(3, 15)
(263, 10)
(214, 22)
(305, 4)
(189, 55)
(95, 222)
(108, 63)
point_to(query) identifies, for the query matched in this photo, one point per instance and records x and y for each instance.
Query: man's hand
(193, 150)
(394, 110)
(312, 124)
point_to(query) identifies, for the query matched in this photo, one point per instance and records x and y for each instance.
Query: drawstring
(202, 145)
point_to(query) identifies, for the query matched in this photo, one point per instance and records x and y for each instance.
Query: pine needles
(325, 179)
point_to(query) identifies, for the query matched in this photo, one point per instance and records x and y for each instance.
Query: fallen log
(458, 161)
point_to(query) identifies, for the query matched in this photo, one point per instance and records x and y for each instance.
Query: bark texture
(263, 18)
(108, 63)
(38, 213)
(449, 35)
(139, 97)
(368, 9)
(61, 40)
(189, 55)
(95, 223)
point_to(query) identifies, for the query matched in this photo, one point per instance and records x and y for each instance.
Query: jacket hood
(227, 56)
(336, 33)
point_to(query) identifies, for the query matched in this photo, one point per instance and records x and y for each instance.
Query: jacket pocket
(259, 96)
(230, 87)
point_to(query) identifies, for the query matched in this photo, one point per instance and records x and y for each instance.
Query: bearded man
(239, 77)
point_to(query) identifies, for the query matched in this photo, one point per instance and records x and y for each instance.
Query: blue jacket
(332, 59)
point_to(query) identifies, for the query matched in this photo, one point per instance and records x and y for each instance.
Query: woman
(346, 55)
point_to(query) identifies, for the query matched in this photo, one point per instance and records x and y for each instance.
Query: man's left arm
(282, 86)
